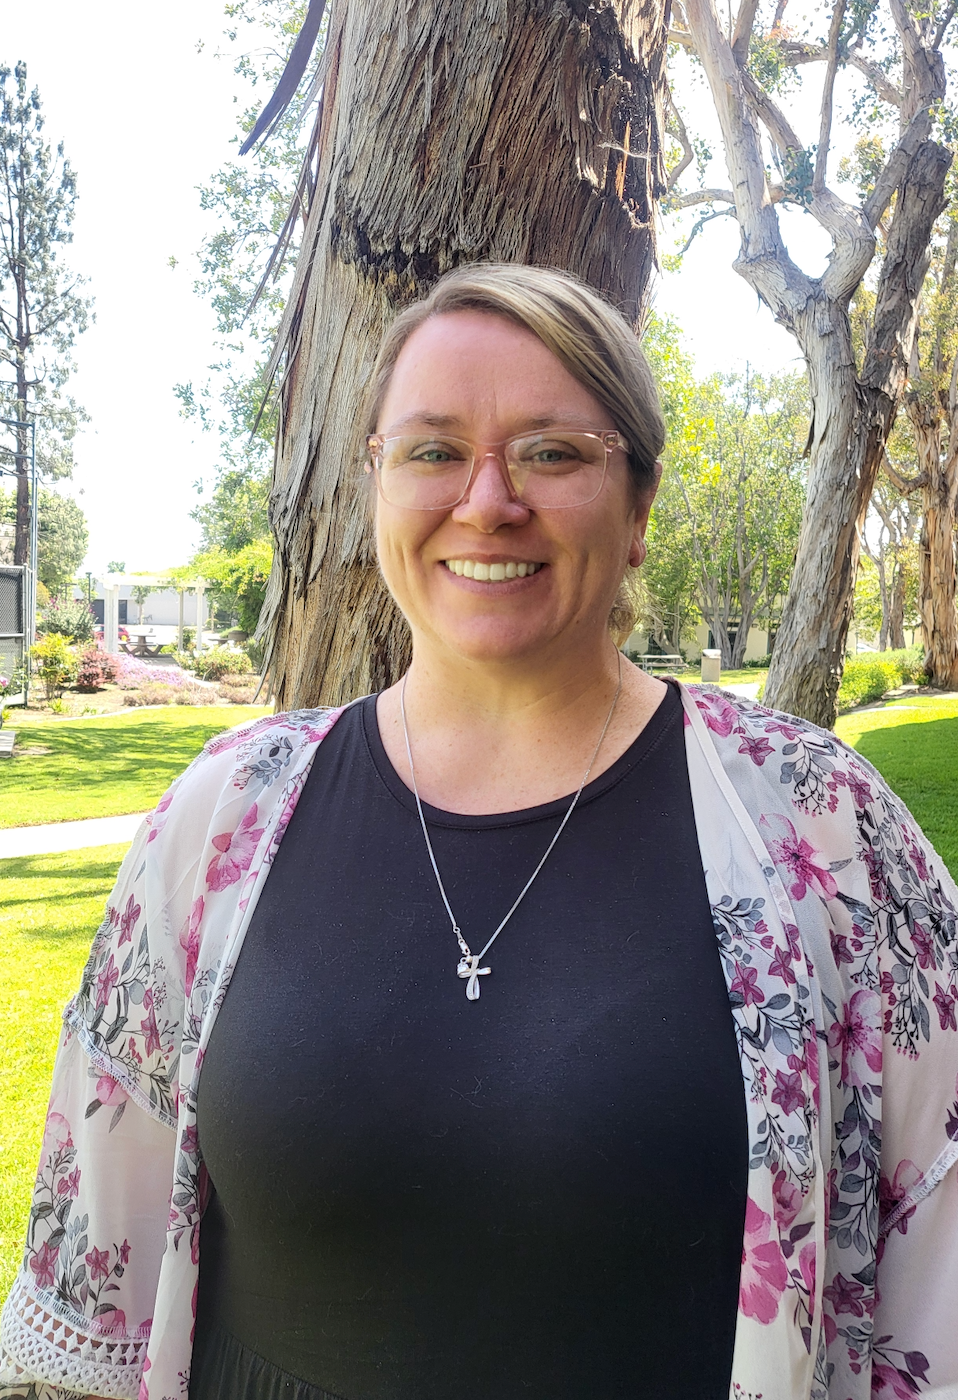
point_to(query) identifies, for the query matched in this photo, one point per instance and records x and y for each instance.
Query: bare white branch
(828, 95)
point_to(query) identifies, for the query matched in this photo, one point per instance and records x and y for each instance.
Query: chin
(493, 642)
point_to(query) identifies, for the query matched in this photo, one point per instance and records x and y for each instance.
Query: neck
(496, 738)
(446, 689)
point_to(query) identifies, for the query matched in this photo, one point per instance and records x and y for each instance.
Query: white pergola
(112, 583)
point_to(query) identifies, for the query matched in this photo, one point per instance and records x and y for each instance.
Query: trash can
(712, 665)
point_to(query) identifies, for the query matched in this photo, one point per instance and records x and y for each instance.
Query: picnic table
(660, 662)
(141, 646)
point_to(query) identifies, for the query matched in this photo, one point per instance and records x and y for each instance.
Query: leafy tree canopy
(62, 537)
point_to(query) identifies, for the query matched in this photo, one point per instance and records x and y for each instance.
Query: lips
(484, 572)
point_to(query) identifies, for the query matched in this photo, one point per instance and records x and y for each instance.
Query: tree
(725, 522)
(927, 455)
(41, 308)
(894, 554)
(853, 405)
(441, 138)
(238, 578)
(62, 537)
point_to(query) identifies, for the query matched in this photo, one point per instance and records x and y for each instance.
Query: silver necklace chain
(468, 967)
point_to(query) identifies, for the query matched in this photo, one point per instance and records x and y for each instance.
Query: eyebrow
(450, 420)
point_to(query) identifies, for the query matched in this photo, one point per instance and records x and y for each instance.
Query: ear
(638, 549)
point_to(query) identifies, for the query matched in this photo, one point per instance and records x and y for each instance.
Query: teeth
(490, 573)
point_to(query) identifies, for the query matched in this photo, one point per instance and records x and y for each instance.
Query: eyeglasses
(547, 471)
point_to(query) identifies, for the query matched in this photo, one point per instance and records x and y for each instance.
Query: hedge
(869, 674)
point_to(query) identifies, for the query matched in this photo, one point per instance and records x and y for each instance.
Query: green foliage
(869, 674)
(62, 536)
(212, 665)
(41, 307)
(116, 566)
(725, 523)
(55, 664)
(68, 617)
(239, 579)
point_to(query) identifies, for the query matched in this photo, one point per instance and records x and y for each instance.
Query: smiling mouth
(490, 573)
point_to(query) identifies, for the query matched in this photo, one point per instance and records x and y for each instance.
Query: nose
(489, 502)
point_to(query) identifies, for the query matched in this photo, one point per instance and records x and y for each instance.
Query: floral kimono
(836, 928)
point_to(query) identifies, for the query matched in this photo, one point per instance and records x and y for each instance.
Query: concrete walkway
(67, 836)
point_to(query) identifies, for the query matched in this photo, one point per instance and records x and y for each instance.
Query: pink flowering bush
(131, 673)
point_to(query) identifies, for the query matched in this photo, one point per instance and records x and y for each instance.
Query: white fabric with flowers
(836, 927)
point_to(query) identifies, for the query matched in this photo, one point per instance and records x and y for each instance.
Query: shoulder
(244, 762)
(810, 766)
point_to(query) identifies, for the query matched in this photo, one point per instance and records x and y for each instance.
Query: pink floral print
(236, 850)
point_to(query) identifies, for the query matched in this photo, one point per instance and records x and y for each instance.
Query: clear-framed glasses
(546, 470)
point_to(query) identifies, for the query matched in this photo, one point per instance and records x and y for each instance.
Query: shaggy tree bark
(481, 130)
(852, 411)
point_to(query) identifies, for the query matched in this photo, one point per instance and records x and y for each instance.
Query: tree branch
(707, 196)
(828, 95)
(742, 33)
(675, 126)
(795, 54)
(904, 484)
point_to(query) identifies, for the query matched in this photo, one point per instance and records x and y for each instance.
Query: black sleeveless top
(538, 1195)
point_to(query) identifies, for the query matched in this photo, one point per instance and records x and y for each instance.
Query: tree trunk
(938, 474)
(896, 608)
(937, 605)
(852, 419)
(448, 133)
(21, 537)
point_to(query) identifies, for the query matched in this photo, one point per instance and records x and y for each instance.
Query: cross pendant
(469, 968)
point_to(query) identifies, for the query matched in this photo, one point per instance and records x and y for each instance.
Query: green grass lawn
(105, 767)
(913, 743)
(50, 907)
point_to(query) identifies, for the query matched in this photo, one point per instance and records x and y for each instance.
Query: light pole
(31, 600)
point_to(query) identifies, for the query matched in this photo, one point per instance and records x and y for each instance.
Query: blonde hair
(587, 335)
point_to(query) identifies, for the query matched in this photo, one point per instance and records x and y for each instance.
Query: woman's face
(484, 379)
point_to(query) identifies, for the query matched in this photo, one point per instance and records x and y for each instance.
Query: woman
(470, 1121)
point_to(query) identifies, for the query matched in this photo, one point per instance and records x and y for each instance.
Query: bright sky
(146, 111)
(145, 118)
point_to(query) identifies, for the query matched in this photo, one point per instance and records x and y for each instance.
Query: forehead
(473, 367)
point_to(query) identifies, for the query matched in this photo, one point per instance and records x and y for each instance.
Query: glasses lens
(556, 469)
(424, 473)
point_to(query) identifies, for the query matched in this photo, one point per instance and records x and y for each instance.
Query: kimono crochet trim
(51, 1344)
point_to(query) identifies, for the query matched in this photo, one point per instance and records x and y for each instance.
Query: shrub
(218, 662)
(758, 663)
(235, 682)
(56, 664)
(255, 651)
(91, 670)
(67, 618)
(239, 695)
(867, 676)
(152, 693)
(195, 695)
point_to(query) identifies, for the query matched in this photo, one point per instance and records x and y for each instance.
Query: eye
(433, 454)
(549, 454)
